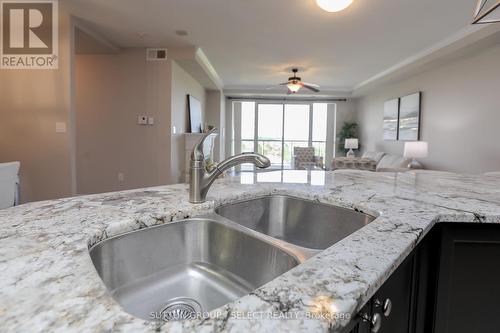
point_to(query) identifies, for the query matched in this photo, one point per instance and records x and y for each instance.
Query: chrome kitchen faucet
(200, 178)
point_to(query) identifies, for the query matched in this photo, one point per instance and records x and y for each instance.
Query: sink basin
(180, 269)
(300, 222)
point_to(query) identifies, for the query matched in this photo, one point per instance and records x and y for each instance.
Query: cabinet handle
(386, 306)
(375, 321)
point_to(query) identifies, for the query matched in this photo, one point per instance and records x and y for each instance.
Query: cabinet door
(468, 289)
(399, 290)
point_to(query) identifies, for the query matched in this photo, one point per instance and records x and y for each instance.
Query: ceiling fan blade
(312, 87)
(277, 86)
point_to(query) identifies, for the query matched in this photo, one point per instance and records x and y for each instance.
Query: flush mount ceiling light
(334, 5)
(487, 11)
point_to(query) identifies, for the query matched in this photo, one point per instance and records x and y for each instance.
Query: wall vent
(156, 54)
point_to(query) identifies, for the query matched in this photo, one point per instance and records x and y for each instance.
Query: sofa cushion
(374, 155)
(393, 162)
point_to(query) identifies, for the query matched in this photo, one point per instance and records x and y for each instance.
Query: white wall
(31, 102)
(111, 92)
(460, 113)
(183, 84)
(215, 115)
(116, 91)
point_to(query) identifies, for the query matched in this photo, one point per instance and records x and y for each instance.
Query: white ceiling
(252, 43)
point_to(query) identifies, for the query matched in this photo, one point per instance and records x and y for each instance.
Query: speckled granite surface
(48, 282)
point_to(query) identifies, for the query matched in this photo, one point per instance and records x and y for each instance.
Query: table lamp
(416, 149)
(351, 144)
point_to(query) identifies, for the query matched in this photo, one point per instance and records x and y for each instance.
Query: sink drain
(180, 308)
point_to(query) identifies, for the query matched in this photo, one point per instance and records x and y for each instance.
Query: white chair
(304, 159)
(9, 184)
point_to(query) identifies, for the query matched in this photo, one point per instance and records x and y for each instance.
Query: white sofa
(374, 155)
(388, 162)
(493, 174)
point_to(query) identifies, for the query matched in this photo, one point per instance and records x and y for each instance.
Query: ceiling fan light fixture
(333, 6)
(293, 87)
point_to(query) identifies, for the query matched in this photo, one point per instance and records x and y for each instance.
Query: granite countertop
(48, 282)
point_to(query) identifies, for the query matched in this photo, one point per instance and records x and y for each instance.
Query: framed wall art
(409, 117)
(391, 117)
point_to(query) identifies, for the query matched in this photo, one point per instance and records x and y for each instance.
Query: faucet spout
(201, 179)
(260, 161)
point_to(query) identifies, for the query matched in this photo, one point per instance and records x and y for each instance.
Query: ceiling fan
(295, 83)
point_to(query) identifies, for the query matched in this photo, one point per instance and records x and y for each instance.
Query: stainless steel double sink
(183, 269)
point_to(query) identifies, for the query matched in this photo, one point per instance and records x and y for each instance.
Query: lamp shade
(351, 143)
(417, 149)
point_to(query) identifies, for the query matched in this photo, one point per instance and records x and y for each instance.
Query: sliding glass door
(296, 131)
(275, 129)
(270, 133)
(319, 126)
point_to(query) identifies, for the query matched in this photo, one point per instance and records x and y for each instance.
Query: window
(319, 129)
(275, 129)
(270, 132)
(296, 131)
(247, 126)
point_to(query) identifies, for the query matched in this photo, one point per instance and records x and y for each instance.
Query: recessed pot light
(334, 5)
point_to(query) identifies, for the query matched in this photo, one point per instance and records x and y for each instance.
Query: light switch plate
(61, 127)
(151, 121)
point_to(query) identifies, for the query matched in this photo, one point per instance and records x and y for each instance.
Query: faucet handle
(198, 154)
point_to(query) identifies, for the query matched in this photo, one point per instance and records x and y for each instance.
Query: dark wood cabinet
(358, 325)
(449, 284)
(468, 279)
(397, 290)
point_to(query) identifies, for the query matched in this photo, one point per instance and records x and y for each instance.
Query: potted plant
(349, 130)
